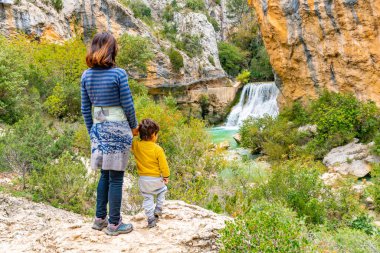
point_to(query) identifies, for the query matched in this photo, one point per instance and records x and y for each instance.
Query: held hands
(135, 131)
(166, 180)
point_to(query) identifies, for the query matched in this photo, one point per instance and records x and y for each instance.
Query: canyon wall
(201, 74)
(317, 44)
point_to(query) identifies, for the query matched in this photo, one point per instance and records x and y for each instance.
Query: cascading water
(256, 100)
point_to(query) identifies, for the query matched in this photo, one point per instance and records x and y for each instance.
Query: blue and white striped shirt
(106, 87)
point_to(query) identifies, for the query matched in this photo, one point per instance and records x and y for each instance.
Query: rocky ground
(34, 227)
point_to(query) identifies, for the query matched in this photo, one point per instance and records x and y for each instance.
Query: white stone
(182, 228)
(353, 159)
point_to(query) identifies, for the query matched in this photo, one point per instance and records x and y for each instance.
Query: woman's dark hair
(147, 128)
(103, 51)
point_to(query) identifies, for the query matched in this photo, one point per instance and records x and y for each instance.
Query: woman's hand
(166, 180)
(135, 131)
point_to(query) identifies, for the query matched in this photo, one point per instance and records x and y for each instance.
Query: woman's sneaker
(99, 224)
(152, 222)
(158, 212)
(121, 228)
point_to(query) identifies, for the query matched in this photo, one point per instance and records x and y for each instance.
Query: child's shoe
(152, 222)
(121, 228)
(100, 223)
(158, 212)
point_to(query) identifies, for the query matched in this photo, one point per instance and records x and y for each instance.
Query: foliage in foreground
(266, 227)
(65, 184)
(338, 119)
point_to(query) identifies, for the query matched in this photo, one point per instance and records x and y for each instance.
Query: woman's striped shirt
(106, 87)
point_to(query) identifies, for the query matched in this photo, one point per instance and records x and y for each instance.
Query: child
(152, 168)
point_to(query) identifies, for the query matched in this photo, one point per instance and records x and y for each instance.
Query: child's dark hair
(147, 128)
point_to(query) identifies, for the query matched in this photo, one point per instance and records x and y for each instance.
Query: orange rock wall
(317, 44)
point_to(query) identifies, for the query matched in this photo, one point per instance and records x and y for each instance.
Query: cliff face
(323, 44)
(39, 19)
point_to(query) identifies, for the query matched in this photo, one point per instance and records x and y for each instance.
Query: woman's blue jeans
(109, 191)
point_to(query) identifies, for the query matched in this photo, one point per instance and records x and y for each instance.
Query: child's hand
(166, 180)
(135, 131)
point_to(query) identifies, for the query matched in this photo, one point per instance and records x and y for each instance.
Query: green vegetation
(244, 76)
(65, 184)
(140, 10)
(176, 59)
(338, 117)
(265, 227)
(232, 58)
(196, 5)
(374, 190)
(135, 53)
(57, 4)
(190, 44)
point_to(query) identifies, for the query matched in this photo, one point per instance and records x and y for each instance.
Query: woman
(105, 89)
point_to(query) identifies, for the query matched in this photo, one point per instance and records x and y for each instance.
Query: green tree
(232, 58)
(236, 9)
(135, 52)
(176, 59)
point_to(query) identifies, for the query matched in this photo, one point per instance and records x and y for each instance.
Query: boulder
(352, 159)
(330, 178)
(237, 138)
(308, 128)
(35, 227)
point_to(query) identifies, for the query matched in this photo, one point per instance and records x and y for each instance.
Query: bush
(140, 9)
(340, 118)
(176, 59)
(137, 88)
(365, 223)
(64, 102)
(374, 190)
(65, 185)
(57, 4)
(214, 23)
(346, 240)
(276, 138)
(376, 146)
(266, 227)
(211, 60)
(244, 77)
(260, 66)
(135, 52)
(27, 146)
(232, 58)
(191, 44)
(196, 5)
(13, 86)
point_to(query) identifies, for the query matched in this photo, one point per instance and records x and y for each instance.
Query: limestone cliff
(323, 44)
(202, 72)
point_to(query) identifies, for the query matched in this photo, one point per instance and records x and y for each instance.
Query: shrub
(191, 44)
(168, 14)
(376, 146)
(137, 88)
(176, 59)
(374, 190)
(266, 227)
(277, 138)
(340, 118)
(65, 185)
(135, 52)
(57, 4)
(211, 60)
(214, 23)
(346, 240)
(27, 146)
(13, 86)
(232, 58)
(244, 77)
(365, 223)
(196, 5)
(260, 66)
(140, 9)
(81, 141)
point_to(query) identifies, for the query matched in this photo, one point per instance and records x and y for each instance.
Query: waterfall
(256, 100)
